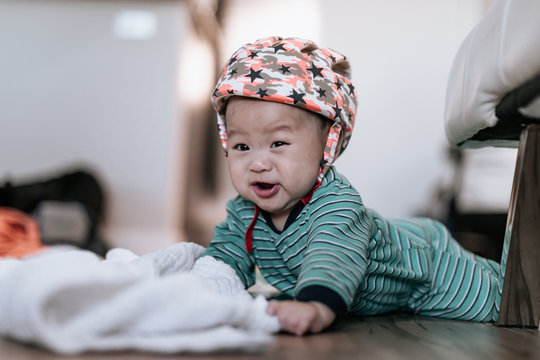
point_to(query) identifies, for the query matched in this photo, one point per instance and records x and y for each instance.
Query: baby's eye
(241, 147)
(278, 144)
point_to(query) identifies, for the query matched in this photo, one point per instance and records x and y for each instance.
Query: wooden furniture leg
(520, 303)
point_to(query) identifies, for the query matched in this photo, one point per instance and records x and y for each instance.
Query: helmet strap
(222, 132)
(330, 149)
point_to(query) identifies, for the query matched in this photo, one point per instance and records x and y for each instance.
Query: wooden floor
(383, 337)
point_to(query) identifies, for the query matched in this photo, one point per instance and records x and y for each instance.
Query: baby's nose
(260, 163)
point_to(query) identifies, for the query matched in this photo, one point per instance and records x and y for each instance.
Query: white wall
(401, 53)
(74, 91)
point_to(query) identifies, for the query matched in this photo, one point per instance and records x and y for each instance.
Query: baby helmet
(292, 71)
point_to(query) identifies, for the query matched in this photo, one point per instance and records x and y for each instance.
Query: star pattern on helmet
(315, 71)
(351, 88)
(232, 60)
(262, 92)
(284, 69)
(254, 74)
(337, 111)
(253, 54)
(322, 92)
(297, 97)
(278, 47)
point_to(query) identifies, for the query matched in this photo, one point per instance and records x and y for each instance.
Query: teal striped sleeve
(228, 244)
(337, 248)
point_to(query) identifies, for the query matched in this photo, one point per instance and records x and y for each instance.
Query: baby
(286, 110)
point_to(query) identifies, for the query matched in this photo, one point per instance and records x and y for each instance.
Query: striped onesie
(336, 251)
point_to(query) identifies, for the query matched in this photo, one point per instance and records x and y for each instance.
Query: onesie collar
(248, 237)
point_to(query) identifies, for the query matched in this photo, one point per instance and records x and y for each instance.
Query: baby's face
(274, 152)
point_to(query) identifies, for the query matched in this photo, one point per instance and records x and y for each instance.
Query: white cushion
(500, 54)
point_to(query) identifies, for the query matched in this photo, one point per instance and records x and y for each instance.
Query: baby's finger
(301, 327)
(316, 326)
(294, 324)
(272, 307)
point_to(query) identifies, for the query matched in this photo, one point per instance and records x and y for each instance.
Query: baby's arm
(299, 317)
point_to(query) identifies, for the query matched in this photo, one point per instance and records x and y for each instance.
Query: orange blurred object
(19, 234)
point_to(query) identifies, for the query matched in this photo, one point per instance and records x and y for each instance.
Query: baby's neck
(279, 219)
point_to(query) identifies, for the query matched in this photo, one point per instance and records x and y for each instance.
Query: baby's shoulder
(337, 184)
(240, 207)
(335, 194)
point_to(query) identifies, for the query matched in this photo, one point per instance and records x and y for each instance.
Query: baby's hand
(301, 317)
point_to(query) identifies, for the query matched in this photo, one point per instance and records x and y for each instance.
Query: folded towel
(74, 301)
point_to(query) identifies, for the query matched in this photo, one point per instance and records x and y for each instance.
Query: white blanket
(71, 302)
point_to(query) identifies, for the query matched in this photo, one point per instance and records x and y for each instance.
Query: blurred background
(118, 90)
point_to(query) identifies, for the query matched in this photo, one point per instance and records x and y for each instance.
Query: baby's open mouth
(265, 189)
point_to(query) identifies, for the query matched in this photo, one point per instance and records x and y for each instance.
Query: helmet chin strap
(248, 237)
(222, 131)
(330, 150)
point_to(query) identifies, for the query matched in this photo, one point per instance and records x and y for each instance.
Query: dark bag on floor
(68, 207)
